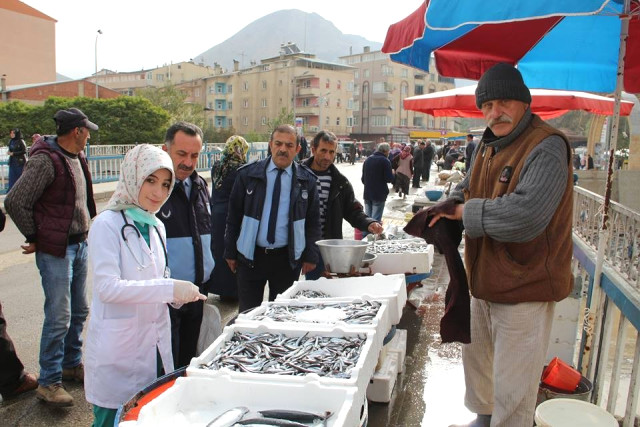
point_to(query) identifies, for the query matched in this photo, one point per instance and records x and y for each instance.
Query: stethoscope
(141, 265)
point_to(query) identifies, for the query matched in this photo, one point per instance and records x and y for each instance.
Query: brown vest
(538, 270)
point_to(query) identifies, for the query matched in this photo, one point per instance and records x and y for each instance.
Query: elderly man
(376, 176)
(273, 221)
(187, 219)
(52, 206)
(516, 206)
(336, 196)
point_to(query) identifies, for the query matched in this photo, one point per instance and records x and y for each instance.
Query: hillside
(263, 37)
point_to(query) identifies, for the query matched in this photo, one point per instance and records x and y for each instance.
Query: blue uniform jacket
(245, 211)
(188, 225)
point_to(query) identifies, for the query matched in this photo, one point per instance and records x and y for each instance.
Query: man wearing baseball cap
(52, 206)
(516, 207)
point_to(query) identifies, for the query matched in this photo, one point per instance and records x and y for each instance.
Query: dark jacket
(188, 225)
(53, 212)
(428, 153)
(342, 204)
(418, 159)
(376, 174)
(19, 150)
(245, 211)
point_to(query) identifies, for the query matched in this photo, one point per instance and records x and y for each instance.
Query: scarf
(140, 162)
(234, 155)
(405, 152)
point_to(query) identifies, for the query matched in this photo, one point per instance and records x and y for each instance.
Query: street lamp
(96, 56)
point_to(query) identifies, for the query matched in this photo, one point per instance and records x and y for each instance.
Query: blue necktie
(273, 215)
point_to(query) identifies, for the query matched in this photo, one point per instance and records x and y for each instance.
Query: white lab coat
(129, 315)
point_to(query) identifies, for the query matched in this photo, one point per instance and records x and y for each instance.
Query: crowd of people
(163, 242)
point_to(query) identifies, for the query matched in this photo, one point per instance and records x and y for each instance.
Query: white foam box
(407, 262)
(325, 316)
(379, 287)
(359, 377)
(195, 401)
(384, 379)
(398, 345)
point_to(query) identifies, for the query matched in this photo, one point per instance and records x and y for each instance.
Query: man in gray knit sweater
(52, 205)
(516, 207)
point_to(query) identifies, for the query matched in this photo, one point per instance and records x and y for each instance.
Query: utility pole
(96, 57)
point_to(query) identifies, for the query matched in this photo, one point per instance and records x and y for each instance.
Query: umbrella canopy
(569, 44)
(547, 103)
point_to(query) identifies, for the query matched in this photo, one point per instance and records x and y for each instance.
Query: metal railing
(610, 343)
(104, 161)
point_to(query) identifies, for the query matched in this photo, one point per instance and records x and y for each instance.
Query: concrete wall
(624, 189)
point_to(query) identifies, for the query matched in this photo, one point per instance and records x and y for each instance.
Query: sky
(145, 34)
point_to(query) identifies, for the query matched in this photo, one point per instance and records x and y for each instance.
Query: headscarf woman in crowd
(129, 334)
(223, 175)
(404, 172)
(17, 156)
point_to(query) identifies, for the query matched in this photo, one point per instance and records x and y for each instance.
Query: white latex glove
(184, 292)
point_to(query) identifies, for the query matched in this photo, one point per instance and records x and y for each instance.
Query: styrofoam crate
(195, 401)
(380, 324)
(408, 262)
(379, 287)
(398, 344)
(384, 379)
(360, 374)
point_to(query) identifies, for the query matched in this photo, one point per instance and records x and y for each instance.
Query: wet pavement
(429, 392)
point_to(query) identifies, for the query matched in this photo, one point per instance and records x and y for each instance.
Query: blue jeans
(373, 209)
(65, 311)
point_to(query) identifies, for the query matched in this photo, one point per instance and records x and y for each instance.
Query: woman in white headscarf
(129, 335)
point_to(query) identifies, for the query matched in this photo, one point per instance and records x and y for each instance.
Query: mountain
(262, 39)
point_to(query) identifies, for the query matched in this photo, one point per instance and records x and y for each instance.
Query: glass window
(264, 103)
(264, 84)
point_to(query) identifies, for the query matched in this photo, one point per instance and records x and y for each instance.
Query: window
(365, 122)
(306, 83)
(350, 86)
(365, 105)
(264, 103)
(356, 74)
(305, 102)
(365, 89)
(327, 84)
(245, 103)
(160, 77)
(149, 76)
(404, 73)
(349, 121)
(418, 121)
(230, 105)
(432, 88)
(230, 89)
(279, 82)
(379, 87)
(380, 121)
(355, 121)
(404, 90)
(245, 86)
(219, 122)
(387, 70)
(211, 89)
(432, 122)
(210, 105)
(264, 84)
(443, 123)
(219, 105)
(219, 88)
(418, 90)
(197, 93)
(350, 104)
(403, 122)
(366, 73)
(245, 121)
(338, 102)
(264, 121)
(326, 120)
(266, 67)
(337, 121)
(338, 84)
(230, 122)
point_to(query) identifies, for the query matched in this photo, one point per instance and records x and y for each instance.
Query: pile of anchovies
(270, 353)
(397, 247)
(309, 293)
(354, 312)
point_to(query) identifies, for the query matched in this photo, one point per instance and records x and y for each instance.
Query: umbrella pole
(598, 301)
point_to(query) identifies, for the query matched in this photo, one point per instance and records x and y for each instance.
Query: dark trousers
(417, 172)
(185, 329)
(273, 267)
(11, 369)
(425, 172)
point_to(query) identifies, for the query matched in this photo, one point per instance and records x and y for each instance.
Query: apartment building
(127, 82)
(380, 85)
(319, 93)
(27, 44)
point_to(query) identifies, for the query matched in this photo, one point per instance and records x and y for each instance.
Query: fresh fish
(229, 418)
(299, 416)
(260, 421)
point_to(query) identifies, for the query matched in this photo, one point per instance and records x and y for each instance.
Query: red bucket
(561, 376)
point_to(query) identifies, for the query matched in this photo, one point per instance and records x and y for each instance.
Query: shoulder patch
(505, 175)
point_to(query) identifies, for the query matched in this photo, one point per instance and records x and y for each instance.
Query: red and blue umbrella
(568, 44)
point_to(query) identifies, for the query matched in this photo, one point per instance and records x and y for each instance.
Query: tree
(285, 117)
(172, 100)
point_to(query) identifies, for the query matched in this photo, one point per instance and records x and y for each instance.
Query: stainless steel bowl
(368, 259)
(342, 256)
